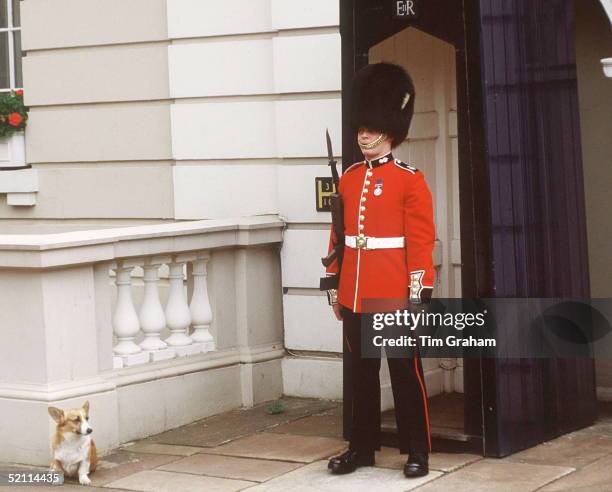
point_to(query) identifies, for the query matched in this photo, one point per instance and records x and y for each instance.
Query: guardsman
(387, 261)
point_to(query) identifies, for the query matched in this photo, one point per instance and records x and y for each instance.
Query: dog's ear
(86, 407)
(57, 414)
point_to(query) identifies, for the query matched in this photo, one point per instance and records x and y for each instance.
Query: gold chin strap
(375, 143)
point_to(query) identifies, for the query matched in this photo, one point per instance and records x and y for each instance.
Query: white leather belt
(373, 242)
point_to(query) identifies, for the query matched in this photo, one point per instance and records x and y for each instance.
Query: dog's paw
(84, 480)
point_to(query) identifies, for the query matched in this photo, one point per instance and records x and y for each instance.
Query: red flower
(19, 92)
(15, 119)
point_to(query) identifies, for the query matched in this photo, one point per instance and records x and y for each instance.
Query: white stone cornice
(60, 390)
(40, 251)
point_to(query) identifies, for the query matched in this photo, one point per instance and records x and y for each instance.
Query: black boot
(350, 460)
(417, 465)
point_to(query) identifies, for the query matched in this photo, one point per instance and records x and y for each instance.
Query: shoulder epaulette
(406, 167)
(354, 166)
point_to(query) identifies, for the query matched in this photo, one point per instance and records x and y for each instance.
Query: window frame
(10, 29)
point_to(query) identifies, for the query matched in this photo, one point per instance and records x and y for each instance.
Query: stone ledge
(39, 251)
(18, 181)
(20, 185)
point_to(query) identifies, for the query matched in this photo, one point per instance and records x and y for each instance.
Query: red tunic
(385, 198)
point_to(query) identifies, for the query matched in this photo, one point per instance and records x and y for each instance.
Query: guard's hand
(337, 312)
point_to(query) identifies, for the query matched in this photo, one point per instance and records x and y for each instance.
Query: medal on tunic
(378, 187)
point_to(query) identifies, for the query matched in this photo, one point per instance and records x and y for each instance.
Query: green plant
(278, 406)
(13, 113)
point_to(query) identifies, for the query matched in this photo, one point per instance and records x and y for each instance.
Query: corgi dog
(73, 448)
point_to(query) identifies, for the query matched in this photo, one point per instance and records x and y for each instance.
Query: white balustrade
(178, 315)
(201, 311)
(88, 286)
(125, 320)
(152, 317)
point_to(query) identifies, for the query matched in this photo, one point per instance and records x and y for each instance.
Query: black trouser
(409, 395)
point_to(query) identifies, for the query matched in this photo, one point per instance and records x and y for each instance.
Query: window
(10, 46)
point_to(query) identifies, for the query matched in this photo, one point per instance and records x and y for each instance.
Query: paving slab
(315, 477)
(491, 474)
(158, 448)
(111, 467)
(593, 477)
(163, 481)
(231, 467)
(601, 428)
(573, 450)
(327, 424)
(284, 447)
(67, 487)
(227, 426)
(120, 464)
(446, 462)
(603, 424)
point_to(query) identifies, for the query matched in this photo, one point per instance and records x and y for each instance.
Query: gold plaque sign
(324, 188)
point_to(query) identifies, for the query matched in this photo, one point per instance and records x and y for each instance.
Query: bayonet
(337, 211)
(330, 157)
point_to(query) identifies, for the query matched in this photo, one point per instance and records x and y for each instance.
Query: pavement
(259, 451)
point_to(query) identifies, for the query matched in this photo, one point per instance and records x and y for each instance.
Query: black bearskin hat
(382, 98)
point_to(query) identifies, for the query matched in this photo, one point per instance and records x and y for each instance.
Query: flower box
(13, 118)
(12, 150)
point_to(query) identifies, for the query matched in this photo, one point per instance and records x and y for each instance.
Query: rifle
(337, 212)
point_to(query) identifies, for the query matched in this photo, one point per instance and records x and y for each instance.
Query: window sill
(20, 186)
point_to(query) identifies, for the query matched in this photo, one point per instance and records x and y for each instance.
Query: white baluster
(151, 315)
(201, 312)
(125, 320)
(178, 316)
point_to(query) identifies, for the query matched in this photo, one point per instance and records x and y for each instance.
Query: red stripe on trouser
(416, 369)
(348, 344)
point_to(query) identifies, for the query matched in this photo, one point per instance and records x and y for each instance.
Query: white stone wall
(255, 84)
(252, 95)
(187, 109)
(98, 134)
